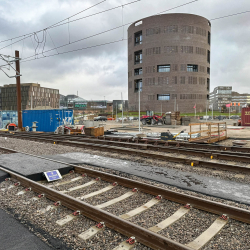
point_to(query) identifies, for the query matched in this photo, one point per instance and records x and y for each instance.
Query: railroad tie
(170, 220)
(79, 187)
(65, 182)
(115, 200)
(207, 235)
(127, 244)
(109, 187)
(140, 209)
(68, 218)
(91, 232)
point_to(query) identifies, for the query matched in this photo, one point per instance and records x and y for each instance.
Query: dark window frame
(139, 71)
(138, 85)
(138, 38)
(160, 68)
(163, 95)
(138, 57)
(192, 68)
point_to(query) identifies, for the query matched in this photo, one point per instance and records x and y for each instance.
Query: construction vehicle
(151, 119)
(168, 136)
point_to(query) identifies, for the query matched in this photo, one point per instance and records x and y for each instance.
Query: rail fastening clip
(131, 240)
(57, 203)
(100, 225)
(76, 213)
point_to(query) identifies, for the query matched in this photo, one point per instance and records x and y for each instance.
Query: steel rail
(199, 203)
(162, 142)
(208, 164)
(142, 235)
(222, 155)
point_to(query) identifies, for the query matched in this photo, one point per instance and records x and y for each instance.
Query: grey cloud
(102, 70)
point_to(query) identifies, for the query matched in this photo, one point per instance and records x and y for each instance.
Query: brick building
(169, 60)
(32, 96)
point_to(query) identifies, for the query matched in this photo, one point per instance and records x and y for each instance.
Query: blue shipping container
(7, 116)
(48, 119)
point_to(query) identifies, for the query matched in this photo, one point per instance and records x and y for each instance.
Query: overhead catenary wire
(74, 50)
(56, 25)
(51, 26)
(217, 18)
(120, 26)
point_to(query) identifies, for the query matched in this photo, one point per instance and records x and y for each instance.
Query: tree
(223, 108)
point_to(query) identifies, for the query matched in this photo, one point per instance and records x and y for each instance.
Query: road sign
(53, 175)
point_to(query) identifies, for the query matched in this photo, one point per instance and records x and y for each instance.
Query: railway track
(148, 150)
(93, 194)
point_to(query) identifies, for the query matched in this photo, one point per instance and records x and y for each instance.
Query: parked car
(234, 117)
(100, 118)
(222, 117)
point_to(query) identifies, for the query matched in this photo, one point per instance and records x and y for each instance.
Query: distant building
(169, 62)
(243, 99)
(223, 95)
(33, 96)
(117, 105)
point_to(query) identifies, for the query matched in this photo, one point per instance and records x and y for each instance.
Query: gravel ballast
(39, 148)
(234, 236)
(27, 211)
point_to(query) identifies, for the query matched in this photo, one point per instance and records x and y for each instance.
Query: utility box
(47, 119)
(245, 117)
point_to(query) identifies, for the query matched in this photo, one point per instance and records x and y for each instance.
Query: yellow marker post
(211, 157)
(192, 164)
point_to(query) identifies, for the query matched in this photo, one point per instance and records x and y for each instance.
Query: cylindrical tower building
(169, 60)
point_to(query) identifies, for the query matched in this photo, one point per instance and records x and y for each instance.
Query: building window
(163, 68)
(208, 84)
(182, 79)
(151, 97)
(138, 71)
(174, 96)
(138, 85)
(138, 23)
(138, 38)
(208, 56)
(174, 79)
(138, 57)
(192, 68)
(209, 37)
(208, 70)
(165, 97)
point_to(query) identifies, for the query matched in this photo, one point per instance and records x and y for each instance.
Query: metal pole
(139, 110)
(122, 110)
(31, 101)
(116, 113)
(161, 109)
(206, 110)
(212, 111)
(229, 112)
(18, 90)
(175, 104)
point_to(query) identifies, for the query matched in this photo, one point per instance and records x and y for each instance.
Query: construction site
(163, 167)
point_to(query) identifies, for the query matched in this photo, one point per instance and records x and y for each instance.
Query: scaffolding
(210, 132)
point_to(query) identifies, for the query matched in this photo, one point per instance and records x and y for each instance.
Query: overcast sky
(102, 71)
